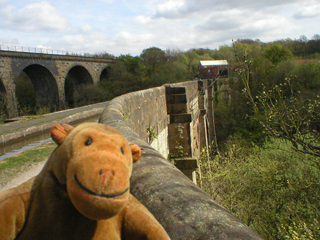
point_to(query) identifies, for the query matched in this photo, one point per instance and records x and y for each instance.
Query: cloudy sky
(129, 26)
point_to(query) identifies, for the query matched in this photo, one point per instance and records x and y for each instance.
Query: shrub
(274, 190)
(90, 94)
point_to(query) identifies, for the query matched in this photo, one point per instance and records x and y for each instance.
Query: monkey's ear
(59, 132)
(136, 152)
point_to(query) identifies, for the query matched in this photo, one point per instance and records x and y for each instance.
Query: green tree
(170, 72)
(201, 51)
(173, 54)
(126, 75)
(307, 77)
(191, 60)
(277, 53)
(225, 52)
(152, 58)
(132, 64)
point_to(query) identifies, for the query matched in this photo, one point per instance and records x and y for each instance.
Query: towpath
(18, 129)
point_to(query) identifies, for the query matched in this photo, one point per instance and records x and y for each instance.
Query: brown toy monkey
(81, 193)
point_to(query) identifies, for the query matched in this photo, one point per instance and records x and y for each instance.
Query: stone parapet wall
(145, 112)
(183, 209)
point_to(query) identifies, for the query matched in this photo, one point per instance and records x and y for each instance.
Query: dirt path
(24, 176)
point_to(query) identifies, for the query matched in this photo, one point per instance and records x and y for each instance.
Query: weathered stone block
(178, 129)
(180, 98)
(176, 98)
(180, 118)
(186, 163)
(175, 90)
(177, 108)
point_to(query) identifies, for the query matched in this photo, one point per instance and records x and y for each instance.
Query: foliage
(26, 95)
(272, 189)
(126, 75)
(151, 134)
(307, 77)
(303, 47)
(29, 118)
(152, 58)
(224, 52)
(3, 109)
(291, 118)
(232, 114)
(153, 68)
(103, 55)
(282, 114)
(87, 94)
(132, 64)
(277, 53)
(170, 72)
(191, 60)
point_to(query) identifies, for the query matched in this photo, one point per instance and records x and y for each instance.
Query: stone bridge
(49, 75)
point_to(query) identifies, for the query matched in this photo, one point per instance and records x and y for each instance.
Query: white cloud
(87, 28)
(310, 11)
(142, 19)
(208, 23)
(107, 1)
(9, 41)
(187, 8)
(41, 16)
(93, 43)
(171, 9)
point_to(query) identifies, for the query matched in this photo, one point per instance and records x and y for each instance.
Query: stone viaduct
(49, 74)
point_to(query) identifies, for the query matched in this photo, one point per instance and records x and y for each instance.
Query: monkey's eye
(88, 141)
(121, 149)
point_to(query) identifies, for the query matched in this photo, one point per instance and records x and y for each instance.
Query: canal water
(20, 145)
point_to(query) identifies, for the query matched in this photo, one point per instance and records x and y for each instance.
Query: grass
(13, 166)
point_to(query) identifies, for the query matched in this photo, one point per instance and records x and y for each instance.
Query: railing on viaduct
(50, 74)
(167, 121)
(14, 48)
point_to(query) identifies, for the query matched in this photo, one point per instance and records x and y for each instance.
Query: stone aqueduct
(48, 74)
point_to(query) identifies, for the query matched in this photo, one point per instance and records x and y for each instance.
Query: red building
(214, 68)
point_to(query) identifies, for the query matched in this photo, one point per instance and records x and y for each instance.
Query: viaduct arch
(53, 77)
(45, 86)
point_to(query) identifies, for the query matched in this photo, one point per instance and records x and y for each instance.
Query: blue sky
(129, 26)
